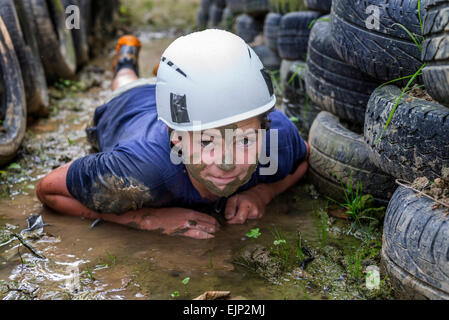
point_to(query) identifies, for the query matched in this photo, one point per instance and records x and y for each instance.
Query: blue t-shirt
(134, 169)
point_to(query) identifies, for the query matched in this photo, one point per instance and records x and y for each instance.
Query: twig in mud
(406, 184)
(26, 245)
(21, 260)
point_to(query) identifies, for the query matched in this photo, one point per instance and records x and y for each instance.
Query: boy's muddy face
(224, 159)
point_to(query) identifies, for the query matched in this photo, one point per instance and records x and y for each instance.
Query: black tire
(54, 39)
(80, 36)
(256, 7)
(305, 113)
(386, 54)
(220, 4)
(215, 16)
(205, 4)
(247, 27)
(294, 34)
(271, 30)
(236, 6)
(27, 53)
(415, 143)
(103, 24)
(436, 50)
(228, 19)
(319, 5)
(269, 58)
(333, 84)
(415, 247)
(337, 154)
(284, 7)
(202, 19)
(13, 111)
(286, 74)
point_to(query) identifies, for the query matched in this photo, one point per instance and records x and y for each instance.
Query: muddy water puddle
(114, 262)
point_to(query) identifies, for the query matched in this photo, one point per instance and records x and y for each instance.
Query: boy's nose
(226, 167)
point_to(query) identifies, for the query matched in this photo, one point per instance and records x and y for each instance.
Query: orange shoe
(127, 50)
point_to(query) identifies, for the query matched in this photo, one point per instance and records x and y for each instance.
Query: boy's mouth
(221, 181)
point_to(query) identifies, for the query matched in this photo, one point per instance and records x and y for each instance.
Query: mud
(437, 189)
(115, 195)
(419, 93)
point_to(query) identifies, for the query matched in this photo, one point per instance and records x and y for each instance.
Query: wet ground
(114, 262)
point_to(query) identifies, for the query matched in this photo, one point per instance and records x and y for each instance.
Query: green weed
(254, 233)
(359, 207)
(315, 20)
(418, 40)
(323, 229)
(276, 80)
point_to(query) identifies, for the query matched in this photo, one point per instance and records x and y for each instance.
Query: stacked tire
(340, 157)
(368, 35)
(37, 46)
(435, 50)
(292, 42)
(406, 134)
(13, 110)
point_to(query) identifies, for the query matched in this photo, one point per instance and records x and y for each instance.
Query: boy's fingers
(242, 215)
(197, 234)
(231, 208)
(204, 218)
(206, 227)
(254, 214)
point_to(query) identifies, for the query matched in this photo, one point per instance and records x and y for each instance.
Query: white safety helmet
(212, 77)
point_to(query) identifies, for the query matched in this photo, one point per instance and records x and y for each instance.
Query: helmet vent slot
(268, 81)
(172, 65)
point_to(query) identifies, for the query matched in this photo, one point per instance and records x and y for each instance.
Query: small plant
(186, 281)
(357, 206)
(323, 229)
(354, 262)
(281, 249)
(276, 79)
(254, 233)
(174, 294)
(111, 257)
(14, 166)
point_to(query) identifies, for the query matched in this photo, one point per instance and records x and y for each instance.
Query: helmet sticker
(178, 107)
(268, 81)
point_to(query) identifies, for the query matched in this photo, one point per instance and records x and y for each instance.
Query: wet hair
(265, 120)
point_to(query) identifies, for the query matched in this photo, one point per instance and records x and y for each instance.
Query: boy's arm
(251, 203)
(52, 191)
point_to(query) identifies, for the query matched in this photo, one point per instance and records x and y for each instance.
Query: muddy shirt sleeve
(115, 182)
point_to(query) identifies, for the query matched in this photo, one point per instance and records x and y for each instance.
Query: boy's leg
(126, 61)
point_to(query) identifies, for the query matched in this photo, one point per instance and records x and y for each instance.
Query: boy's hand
(248, 205)
(184, 222)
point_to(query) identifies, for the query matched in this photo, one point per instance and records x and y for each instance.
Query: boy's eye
(205, 143)
(246, 142)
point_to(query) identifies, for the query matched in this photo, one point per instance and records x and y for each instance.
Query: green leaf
(254, 233)
(70, 141)
(279, 242)
(14, 166)
(418, 44)
(294, 119)
(30, 186)
(175, 294)
(186, 281)
(398, 100)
